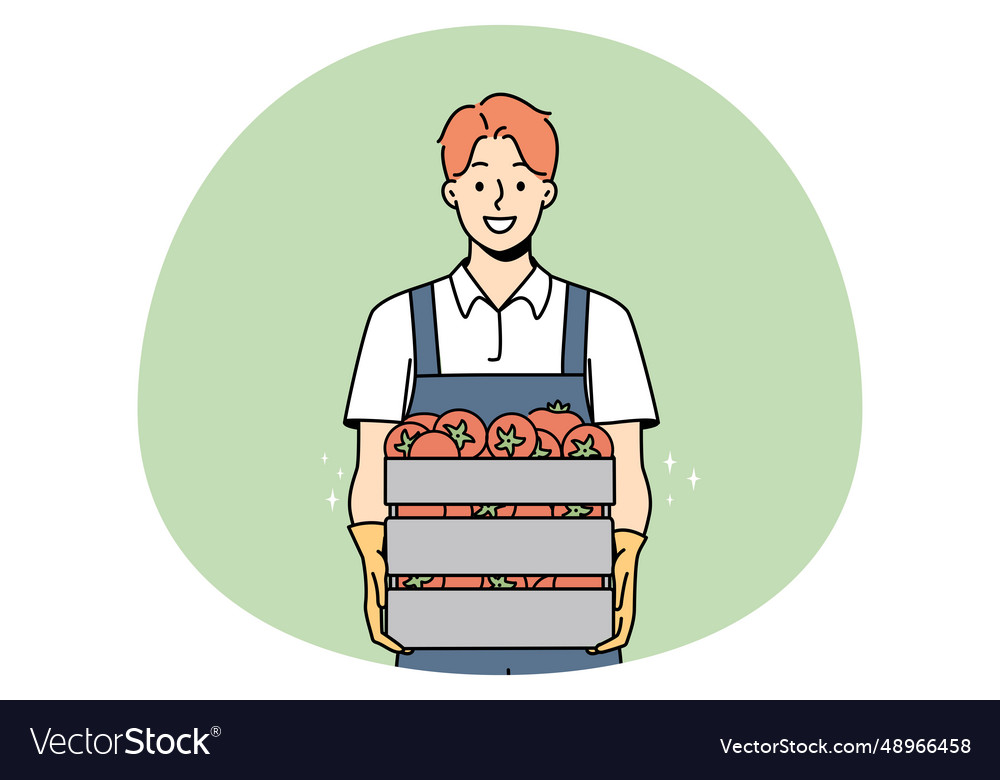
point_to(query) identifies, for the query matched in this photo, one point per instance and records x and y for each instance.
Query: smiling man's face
(498, 199)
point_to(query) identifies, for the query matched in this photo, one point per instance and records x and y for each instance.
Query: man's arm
(632, 496)
(368, 485)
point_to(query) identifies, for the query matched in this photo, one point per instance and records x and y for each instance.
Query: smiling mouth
(499, 224)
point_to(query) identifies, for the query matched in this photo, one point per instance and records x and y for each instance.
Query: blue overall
(489, 396)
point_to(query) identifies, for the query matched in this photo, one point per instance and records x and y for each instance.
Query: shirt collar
(535, 289)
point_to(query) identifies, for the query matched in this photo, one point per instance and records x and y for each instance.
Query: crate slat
(499, 619)
(504, 545)
(499, 481)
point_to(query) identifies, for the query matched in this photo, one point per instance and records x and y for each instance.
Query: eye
(520, 186)
(479, 186)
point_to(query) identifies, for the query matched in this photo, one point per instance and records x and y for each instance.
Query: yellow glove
(627, 545)
(369, 538)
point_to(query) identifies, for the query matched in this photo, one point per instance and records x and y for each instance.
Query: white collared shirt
(524, 336)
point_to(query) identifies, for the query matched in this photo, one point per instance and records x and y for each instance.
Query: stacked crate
(426, 618)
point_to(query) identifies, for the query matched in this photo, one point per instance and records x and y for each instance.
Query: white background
(113, 115)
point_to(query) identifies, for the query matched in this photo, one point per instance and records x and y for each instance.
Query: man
(501, 333)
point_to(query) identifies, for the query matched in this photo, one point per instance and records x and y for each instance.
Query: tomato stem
(585, 449)
(405, 442)
(540, 452)
(509, 440)
(458, 434)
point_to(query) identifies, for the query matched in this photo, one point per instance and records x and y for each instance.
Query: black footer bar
(498, 738)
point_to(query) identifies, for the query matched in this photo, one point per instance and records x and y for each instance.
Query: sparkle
(670, 500)
(332, 499)
(670, 461)
(324, 459)
(340, 473)
(693, 478)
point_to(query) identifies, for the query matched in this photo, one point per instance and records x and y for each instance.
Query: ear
(549, 193)
(448, 193)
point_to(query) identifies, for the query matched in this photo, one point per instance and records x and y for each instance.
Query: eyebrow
(479, 163)
(522, 164)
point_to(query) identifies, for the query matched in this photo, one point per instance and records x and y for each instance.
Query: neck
(500, 273)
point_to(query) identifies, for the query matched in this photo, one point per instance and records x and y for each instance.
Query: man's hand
(631, 515)
(369, 538)
(627, 546)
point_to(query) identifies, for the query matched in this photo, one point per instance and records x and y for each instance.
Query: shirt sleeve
(617, 380)
(383, 375)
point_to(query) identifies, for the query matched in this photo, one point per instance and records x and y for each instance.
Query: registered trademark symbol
(216, 731)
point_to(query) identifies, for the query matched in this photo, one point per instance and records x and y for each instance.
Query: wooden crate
(499, 618)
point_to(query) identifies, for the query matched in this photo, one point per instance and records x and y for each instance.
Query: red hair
(500, 116)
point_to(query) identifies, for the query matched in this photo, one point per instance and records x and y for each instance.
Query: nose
(496, 203)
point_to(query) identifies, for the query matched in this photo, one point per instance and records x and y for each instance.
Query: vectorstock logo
(136, 742)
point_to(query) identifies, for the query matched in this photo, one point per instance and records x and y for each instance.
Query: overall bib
(489, 396)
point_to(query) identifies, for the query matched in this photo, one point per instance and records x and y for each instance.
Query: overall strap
(575, 329)
(424, 330)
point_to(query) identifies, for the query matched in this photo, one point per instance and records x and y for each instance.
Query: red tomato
(420, 582)
(464, 582)
(458, 510)
(533, 510)
(466, 430)
(408, 510)
(540, 582)
(512, 436)
(556, 418)
(575, 510)
(434, 444)
(493, 510)
(426, 420)
(579, 582)
(400, 439)
(505, 583)
(547, 446)
(587, 441)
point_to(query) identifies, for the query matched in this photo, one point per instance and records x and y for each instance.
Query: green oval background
(670, 200)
